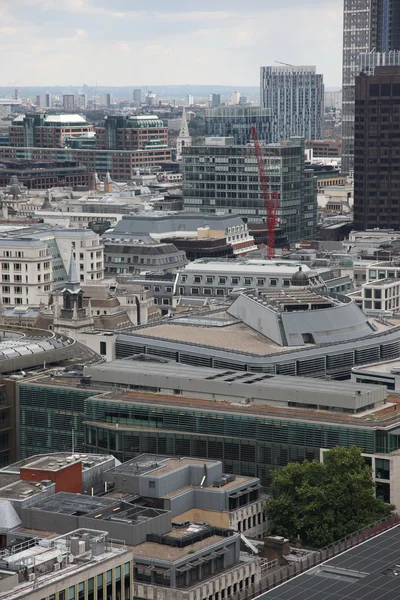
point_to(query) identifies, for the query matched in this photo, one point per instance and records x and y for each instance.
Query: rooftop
(158, 465)
(171, 553)
(55, 461)
(261, 267)
(370, 571)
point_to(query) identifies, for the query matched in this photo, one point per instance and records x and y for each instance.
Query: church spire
(184, 138)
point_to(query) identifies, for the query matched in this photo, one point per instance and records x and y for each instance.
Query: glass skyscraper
(368, 26)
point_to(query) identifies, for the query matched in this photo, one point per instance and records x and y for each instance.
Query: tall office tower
(368, 25)
(295, 96)
(69, 102)
(189, 100)
(235, 99)
(105, 100)
(137, 97)
(44, 100)
(81, 101)
(377, 149)
(237, 121)
(151, 99)
(223, 177)
(215, 100)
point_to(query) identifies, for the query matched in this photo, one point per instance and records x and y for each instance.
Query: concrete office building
(368, 25)
(38, 568)
(214, 278)
(215, 100)
(262, 426)
(377, 147)
(167, 552)
(81, 101)
(68, 102)
(42, 175)
(223, 177)
(295, 97)
(237, 121)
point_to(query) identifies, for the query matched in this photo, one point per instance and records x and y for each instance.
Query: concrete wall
(67, 479)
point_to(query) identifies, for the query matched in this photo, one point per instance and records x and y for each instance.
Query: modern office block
(295, 97)
(237, 121)
(377, 150)
(221, 177)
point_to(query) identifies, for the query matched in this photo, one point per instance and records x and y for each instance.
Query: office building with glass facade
(369, 26)
(249, 440)
(223, 177)
(237, 121)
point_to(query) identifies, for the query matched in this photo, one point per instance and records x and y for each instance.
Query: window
(195, 291)
(207, 291)
(221, 280)
(5, 266)
(181, 291)
(248, 281)
(260, 281)
(209, 280)
(6, 289)
(382, 468)
(168, 290)
(273, 282)
(156, 288)
(220, 292)
(71, 593)
(18, 278)
(165, 301)
(197, 279)
(235, 280)
(103, 348)
(286, 283)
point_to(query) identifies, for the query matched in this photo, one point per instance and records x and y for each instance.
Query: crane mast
(270, 198)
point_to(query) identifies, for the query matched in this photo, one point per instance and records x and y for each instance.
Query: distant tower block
(184, 138)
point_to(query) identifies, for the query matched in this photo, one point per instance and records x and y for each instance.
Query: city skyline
(71, 41)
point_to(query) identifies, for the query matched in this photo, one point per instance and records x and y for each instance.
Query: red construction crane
(270, 198)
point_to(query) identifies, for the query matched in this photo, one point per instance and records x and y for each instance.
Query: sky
(165, 42)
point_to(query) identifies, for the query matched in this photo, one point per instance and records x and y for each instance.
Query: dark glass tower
(377, 150)
(368, 25)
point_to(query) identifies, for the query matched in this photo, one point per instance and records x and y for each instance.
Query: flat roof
(158, 465)
(56, 461)
(261, 267)
(383, 367)
(237, 337)
(171, 553)
(367, 572)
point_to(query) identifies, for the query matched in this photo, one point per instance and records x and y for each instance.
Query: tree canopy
(321, 503)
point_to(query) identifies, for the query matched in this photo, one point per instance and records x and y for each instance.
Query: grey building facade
(295, 97)
(225, 178)
(368, 25)
(237, 121)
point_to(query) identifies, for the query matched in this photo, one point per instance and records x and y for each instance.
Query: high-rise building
(46, 131)
(237, 121)
(377, 149)
(295, 96)
(368, 25)
(68, 102)
(137, 97)
(80, 101)
(235, 98)
(215, 100)
(223, 177)
(44, 100)
(189, 100)
(105, 100)
(151, 99)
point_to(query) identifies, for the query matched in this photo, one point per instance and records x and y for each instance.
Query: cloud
(227, 41)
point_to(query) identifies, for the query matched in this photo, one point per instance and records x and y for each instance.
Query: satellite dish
(71, 558)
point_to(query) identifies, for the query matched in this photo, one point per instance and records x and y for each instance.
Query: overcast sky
(121, 42)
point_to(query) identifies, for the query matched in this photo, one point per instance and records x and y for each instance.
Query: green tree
(321, 503)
